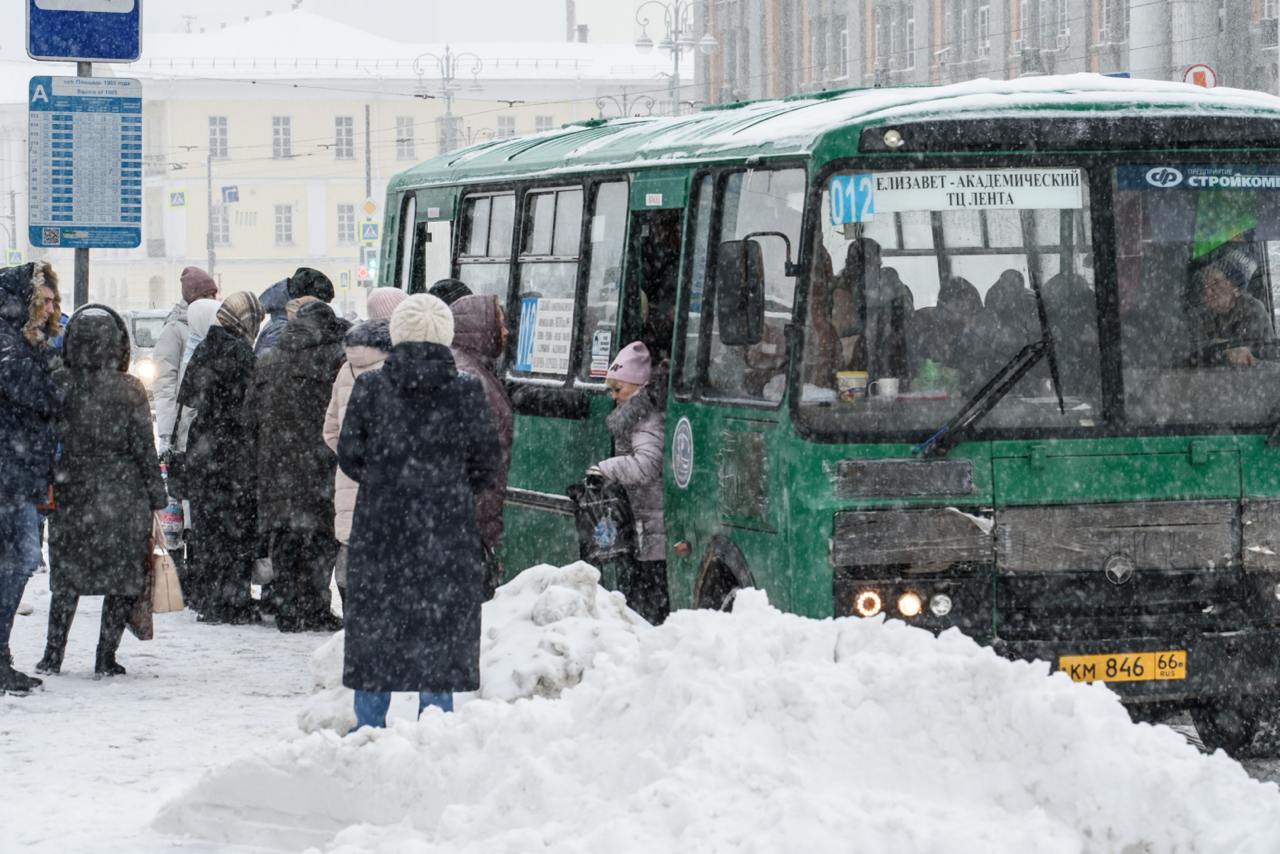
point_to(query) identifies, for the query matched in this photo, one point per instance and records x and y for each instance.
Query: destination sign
(859, 197)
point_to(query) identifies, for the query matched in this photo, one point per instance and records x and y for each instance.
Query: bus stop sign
(84, 30)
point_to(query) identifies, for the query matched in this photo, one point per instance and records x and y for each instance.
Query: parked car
(144, 330)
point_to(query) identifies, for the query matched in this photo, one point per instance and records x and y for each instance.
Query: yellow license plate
(1125, 666)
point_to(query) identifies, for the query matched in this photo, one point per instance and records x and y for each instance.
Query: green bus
(995, 356)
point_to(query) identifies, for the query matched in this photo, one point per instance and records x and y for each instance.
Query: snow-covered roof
(795, 126)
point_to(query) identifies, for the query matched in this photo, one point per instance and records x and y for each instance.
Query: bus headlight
(145, 370)
(867, 603)
(910, 605)
(940, 605)
(893, 138)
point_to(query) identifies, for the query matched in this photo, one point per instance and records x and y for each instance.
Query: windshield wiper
(984, 400)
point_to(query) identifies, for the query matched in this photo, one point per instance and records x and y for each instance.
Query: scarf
(241, 313)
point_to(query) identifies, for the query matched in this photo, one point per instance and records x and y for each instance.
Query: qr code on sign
(50, 237)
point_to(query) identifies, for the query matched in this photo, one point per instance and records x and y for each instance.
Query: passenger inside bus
(1229, 322)
(1071, 308)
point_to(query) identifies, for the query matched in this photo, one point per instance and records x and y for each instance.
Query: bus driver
(1228, 313)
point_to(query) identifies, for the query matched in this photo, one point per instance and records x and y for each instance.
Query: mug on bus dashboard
(885, 388)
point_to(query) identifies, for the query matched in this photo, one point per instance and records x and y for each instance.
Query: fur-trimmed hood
(626, 417)
(368, 343)
(20, 300)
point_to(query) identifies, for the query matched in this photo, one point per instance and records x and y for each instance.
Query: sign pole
(81, 294)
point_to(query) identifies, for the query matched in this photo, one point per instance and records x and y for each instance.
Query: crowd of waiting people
(373, 454)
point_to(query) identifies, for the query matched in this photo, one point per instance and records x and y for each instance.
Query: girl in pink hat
(636, 427)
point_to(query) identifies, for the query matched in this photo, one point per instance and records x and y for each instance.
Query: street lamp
(626, 106)
(446, 68)
(678, 36)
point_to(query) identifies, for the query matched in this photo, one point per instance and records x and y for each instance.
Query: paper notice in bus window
(858, 198)
(601, 351)
(552, 336)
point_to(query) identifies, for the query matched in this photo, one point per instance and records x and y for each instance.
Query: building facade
(264, 152)
(771, 48)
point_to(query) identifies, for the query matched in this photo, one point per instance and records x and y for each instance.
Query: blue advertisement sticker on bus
(1184, 178)
(528, 321)
(853, 198)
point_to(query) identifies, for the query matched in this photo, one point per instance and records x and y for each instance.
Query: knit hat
(242, 314)
(382, 301)
(293, 306)
(631, 365)
(197, 284)
(308, 282)
(422, 318)
(1236, 264)
(449, 290)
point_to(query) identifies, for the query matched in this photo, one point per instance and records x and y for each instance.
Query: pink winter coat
(367, 346)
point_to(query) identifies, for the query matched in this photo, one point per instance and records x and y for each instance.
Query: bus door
(726, 489)
(564, 315)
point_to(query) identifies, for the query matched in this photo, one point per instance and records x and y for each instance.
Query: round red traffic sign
(1200, 75)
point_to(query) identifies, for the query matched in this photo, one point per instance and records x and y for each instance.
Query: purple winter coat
(636, 427)
(477, 344)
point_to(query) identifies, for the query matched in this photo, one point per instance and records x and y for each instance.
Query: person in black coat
(421, 442)
(107, 485)
(221, 465)
(30, 401)
(285, 410)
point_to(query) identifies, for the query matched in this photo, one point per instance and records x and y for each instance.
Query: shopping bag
(605, 526)
(166, 589)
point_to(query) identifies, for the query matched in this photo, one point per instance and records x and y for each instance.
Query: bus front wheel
(1245, 727)
(722, 574)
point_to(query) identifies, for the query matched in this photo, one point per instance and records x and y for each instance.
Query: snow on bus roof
(795, 125)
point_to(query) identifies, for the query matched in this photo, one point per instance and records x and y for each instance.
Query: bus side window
(484, 255)
(549, 255)
(608, 236)
(759, 204)
(404, 244)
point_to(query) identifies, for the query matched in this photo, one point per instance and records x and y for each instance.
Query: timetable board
(85, 158)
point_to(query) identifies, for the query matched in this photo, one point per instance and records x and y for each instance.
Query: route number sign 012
(85, 154)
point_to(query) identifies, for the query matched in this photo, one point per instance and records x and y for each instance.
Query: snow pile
(755, 731)
(541, 632)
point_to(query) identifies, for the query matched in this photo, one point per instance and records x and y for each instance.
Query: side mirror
(740, 292)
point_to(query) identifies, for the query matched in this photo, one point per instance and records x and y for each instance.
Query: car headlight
(144, 369)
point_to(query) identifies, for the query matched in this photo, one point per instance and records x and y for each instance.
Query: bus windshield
(922, 288)
(1195, 246)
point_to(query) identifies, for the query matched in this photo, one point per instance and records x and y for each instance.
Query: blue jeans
(19, 557)
(371, 706)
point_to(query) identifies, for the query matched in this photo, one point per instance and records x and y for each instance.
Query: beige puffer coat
(367, 346)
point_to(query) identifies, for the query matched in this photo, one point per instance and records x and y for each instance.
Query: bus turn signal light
(868, 603)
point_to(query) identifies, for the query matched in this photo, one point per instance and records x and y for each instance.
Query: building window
(247, 218)
(818, 48)
(506, 126)
(1271, 8)
(344, 137)
(218, 136)
(404, 138)
(842, 30)
(346, 223)
(909, 61)
(543, 123)
(220, 226)
(878, 28)
(963, 45)
(284, 225)
(984, 30)
(281, 136)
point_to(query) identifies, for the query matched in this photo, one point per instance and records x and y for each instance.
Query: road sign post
(84, 30)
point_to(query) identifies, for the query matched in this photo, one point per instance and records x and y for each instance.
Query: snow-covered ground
(751, 731)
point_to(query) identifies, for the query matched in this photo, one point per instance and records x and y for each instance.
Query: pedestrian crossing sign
(13, 256)
(369, 231)
(178, 199)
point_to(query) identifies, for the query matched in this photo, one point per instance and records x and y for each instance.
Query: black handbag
(174, 464)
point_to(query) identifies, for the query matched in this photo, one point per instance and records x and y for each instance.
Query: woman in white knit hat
(419, 439)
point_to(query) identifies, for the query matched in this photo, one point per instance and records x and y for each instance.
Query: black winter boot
(50, 662)
(106, 665)
(18, 684)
